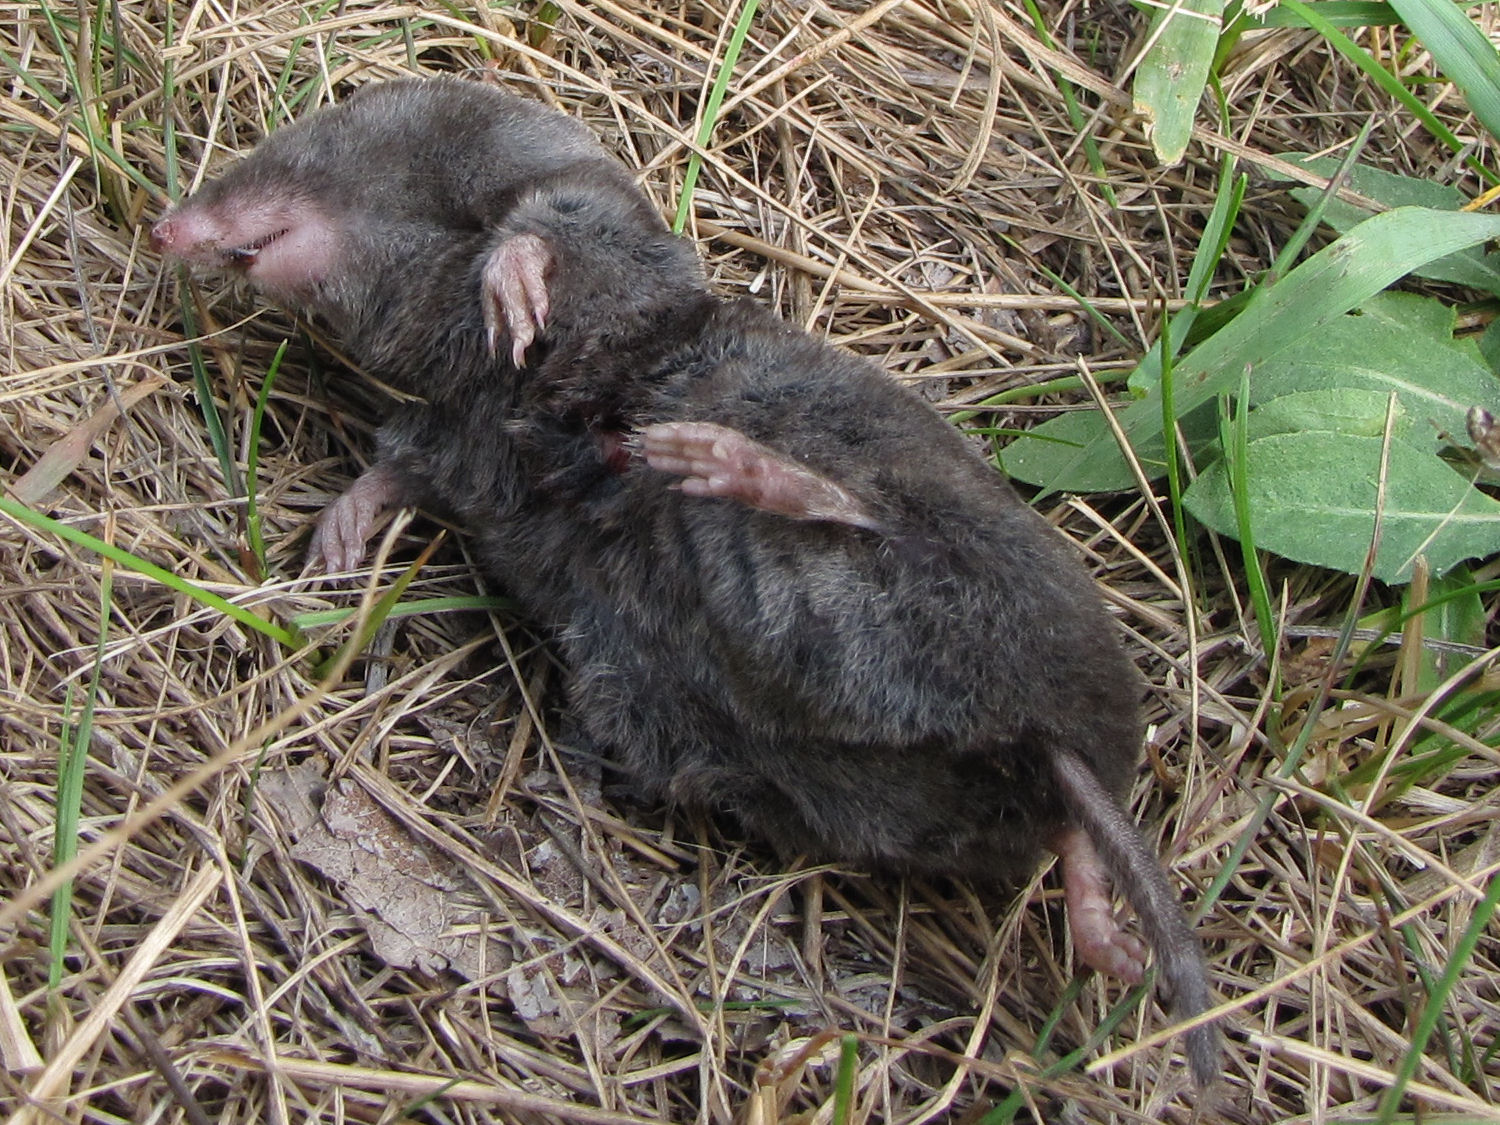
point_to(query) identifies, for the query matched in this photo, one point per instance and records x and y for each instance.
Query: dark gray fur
(938, 697)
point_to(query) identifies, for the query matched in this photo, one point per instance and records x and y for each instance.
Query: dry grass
(904, 190)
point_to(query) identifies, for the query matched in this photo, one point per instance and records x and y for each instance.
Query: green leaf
(1437, 1000)
(1461, 51)
(1390, 188)
(1435, 382)
(1217, 231)
(1471, 267)
(1234, 440)
(1336, 279)
(1339, 13)
(72, 766)
(252, 463)
(711, 111)
(1489, 346)
(1313, 499)
(843, 1084)
(1411, 312)
(1036, 455)
(1341, 410)
(1170, 78)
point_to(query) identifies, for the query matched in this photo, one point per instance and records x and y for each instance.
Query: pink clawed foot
(1097, 937)
(515, 293)
(720, 462)
(346, 525)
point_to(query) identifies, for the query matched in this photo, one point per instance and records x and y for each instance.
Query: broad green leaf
(1435, 382)
(1313, 497)
(1461, 51)
(1334, 280)
(1489, 346)
(1341, 410)
(1412, 312)
(1390, 188)
(1035, 456)
(1471, 267)
(1170, 78)
(1032, 458)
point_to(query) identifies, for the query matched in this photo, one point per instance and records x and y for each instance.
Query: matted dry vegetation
(901, 177)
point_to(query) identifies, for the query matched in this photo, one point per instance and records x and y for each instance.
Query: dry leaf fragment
(67, 452)
(17, 1052)
(410, 904)
(779, 1076)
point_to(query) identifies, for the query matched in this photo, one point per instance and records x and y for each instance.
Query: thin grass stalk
(269, 628)
(72, 767)
(711, 111)
(252, 463)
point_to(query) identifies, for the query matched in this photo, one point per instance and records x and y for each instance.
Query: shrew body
(784, 587)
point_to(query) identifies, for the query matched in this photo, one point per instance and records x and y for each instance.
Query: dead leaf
(410, 903)
(67, 452)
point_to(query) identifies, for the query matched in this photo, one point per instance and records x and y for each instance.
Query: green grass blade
(1338, 13)
(1173, 71)
(293, 55)
(1451, 611)
(449, 604)
(542, 23)
(1461, 52)
(843, 1087)
(1211, 247)
(1061, 283)
(1304, 232)
(64, 843)
(711, 111)
(1076, 117)
(213, 421)
(1032, 391)
(1234, 439)
(169, 99)
(22, 514)
(72, 765)
(252, 466)
(85, 115)
(1169, 440)
(383, 608)
(1217, 230)
(1458, 964)
(1006, 1112)
(1383, 78)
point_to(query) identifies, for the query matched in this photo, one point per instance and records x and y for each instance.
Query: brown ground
(902, 189)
